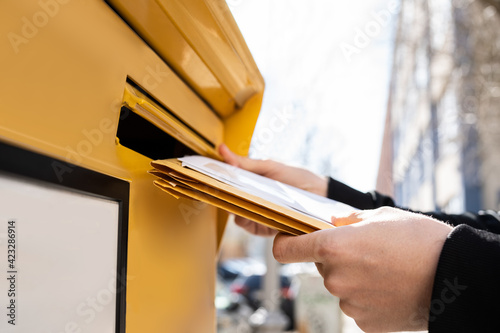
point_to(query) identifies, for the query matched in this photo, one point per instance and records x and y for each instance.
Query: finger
(320, 269)
(228, 156)
(243, 223)
(254, 227)
(290, 249)
(256, 166)
(348, 309)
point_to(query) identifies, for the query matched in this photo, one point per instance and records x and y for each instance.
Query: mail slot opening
(138, 134)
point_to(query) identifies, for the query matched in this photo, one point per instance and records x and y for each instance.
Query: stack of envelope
(271, 203)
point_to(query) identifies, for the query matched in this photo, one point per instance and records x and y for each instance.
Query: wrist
(323, 185)
(319, 185)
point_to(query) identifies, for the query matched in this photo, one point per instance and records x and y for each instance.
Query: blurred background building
(441, 144)
(409, 88)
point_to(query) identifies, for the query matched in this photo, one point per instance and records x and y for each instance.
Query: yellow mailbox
(91, 92)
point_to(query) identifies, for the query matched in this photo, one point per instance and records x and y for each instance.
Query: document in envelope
(274, 204)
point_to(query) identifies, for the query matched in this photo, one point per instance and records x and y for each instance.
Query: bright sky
(326, 67)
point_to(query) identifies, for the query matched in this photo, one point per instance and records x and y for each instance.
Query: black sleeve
(465, 296)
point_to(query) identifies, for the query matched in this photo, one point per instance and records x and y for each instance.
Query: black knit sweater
(466, 292)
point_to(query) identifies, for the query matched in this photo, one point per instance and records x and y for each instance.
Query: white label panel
(58, 257)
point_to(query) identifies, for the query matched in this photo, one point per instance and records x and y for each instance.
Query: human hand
(382, 268)
(294, 176)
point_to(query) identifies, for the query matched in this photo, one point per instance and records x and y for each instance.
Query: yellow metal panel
(171, 274)
(225, 19)
(147, 18)
(196, 23)
(200, 30)
(238, 128)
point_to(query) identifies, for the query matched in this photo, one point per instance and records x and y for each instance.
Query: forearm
(484, 220)
(342, 193)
